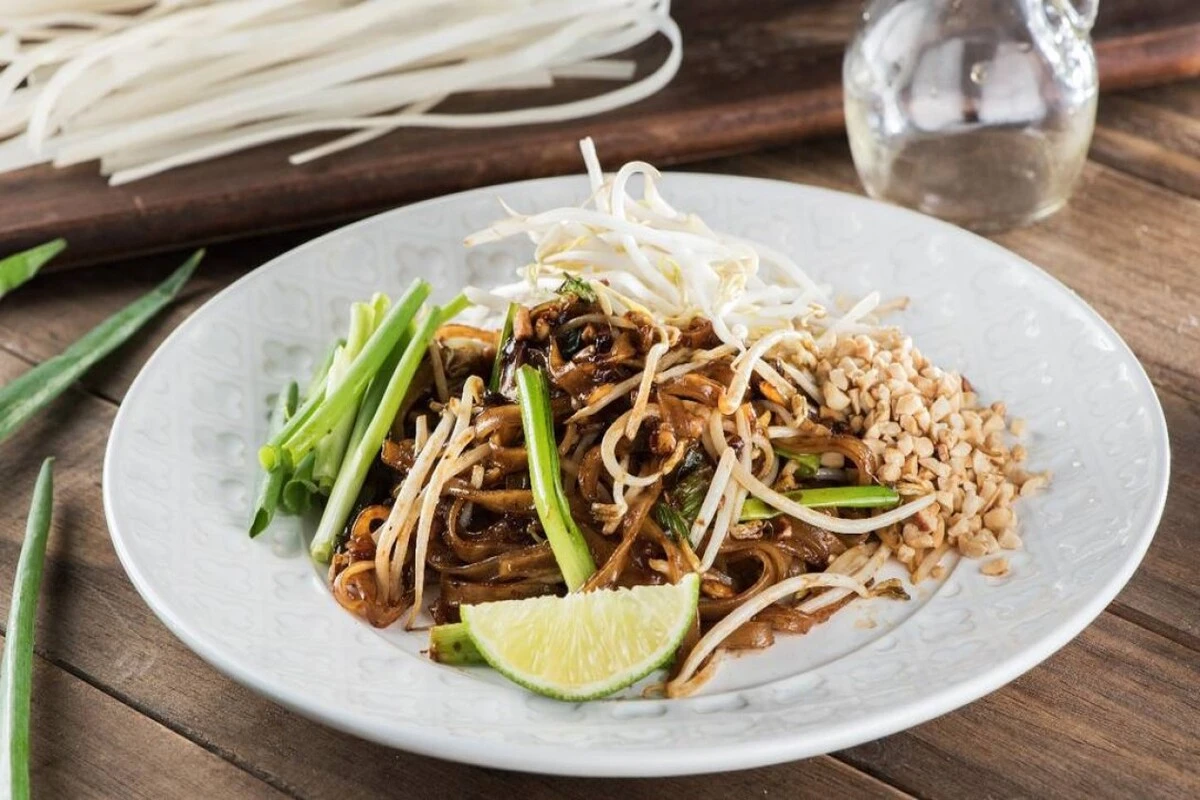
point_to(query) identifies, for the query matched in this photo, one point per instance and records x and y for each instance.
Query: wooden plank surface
(753, 75)
(87, 744)
(1114, 714)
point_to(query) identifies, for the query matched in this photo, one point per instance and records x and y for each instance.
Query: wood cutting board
(754, 74)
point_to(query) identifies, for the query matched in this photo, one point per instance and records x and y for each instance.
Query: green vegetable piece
(271, 483)
(332, 449)
(301, 488)
(20, 267)
(577, 286)
(451, 644)
(458, 304)
(670, 520)
(366, 447)
(320, 413)
(545, 478)
(317, 382)
(16, 668)
(808, 463)
(501, 343)
(835, 497)
(28, 394)
(680, 505)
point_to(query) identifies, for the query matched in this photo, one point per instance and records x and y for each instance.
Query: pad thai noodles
(653, 399)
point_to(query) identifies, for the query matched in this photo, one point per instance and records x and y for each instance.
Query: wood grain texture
(86, 744)
(753, 75)
(1066, 725)
(1160, 143)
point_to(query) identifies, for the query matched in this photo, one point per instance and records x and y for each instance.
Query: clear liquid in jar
(984, 177)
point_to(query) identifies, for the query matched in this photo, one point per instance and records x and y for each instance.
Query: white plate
(180, 470)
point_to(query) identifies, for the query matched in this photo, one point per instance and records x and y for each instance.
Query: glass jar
(976, 111)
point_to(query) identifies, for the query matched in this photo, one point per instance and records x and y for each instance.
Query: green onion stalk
(368, 441)
(22, 398)
(833, 497)
(271, 484)
(322, 411)
(16, 665)
(331, 449)
(452, 644)
(545, 479)
(506, 333)
(808, 463)
(21, 267)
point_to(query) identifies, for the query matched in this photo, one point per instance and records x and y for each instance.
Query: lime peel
(588, 644)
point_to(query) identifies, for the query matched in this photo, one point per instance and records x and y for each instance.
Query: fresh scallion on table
(271, 484)
(545, 479)
(16, 668)
(832, 497)
(20, 267)
(22, 398)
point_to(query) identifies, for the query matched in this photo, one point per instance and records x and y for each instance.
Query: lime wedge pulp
(587, 644)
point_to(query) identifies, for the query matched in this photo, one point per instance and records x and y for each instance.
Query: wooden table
(123, 709)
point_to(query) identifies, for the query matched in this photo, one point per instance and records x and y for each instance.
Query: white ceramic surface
(180, 470)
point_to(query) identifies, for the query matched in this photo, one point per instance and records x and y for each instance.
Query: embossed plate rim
(510, 747)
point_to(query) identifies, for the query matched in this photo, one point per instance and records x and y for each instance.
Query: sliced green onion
(321, 412)
(16, 668)
(451, 644)
(545, 478)
(20, 267)
(332, 449)
(501, 343)
(809, 463)
(458, 304)
(366, 449)
(317, 382)
(28, 394)
(301, 488)
(271, 483)
(834, 497)
(375, 391)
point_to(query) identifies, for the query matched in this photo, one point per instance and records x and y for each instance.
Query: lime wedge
(587, 644)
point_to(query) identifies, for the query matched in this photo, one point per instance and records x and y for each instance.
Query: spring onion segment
(330, 450)
(505, 335)
(807, 463)
(154, 85)
(22, 398)
(358, 461)
(545, 478)
(16, 667)
(271, 483)
(322, 412)
(20, 267)
(832, 497)
(452, 644)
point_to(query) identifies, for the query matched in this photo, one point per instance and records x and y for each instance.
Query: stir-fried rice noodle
(689, 375)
